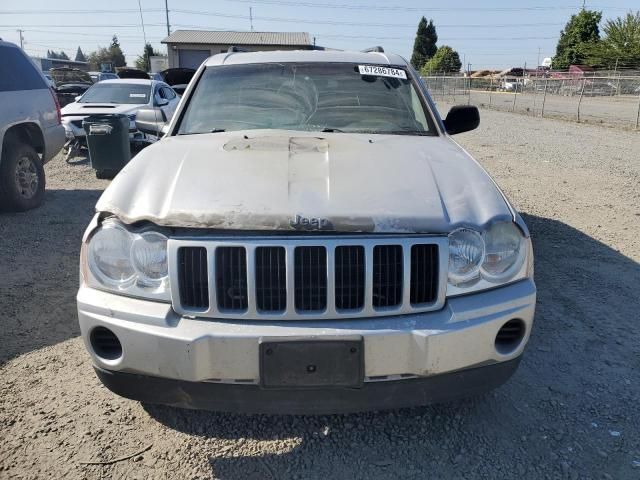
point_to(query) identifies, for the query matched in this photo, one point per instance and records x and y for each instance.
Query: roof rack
(377, 48)
(233, 48)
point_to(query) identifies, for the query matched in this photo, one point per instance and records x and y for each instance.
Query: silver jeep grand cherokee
(307, 238)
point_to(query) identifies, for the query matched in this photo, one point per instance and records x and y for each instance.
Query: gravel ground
(571, 410)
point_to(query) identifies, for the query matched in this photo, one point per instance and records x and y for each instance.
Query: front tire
(22, 180)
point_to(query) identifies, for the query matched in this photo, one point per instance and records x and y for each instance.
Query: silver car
(307, 238)
(30, 130)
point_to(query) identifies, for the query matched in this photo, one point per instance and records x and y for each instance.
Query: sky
(487, 34)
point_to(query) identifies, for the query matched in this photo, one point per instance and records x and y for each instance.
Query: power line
(344, 23)
(84, 25)
(417, 9)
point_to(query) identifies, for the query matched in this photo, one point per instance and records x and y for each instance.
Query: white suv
(307, 238)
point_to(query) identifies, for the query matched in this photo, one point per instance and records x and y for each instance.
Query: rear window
(18, 73)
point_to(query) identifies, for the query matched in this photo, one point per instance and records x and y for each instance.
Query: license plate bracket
(308, 364)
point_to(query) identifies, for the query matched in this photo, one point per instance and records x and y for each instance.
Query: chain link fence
(598, 97)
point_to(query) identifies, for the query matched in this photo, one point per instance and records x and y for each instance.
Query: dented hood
(262, 180)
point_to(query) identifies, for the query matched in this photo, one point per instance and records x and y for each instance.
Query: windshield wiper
(330, 129)
(217, 130)
(407, 132)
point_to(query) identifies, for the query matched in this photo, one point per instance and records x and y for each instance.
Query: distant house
(579, 70)
(189, 48)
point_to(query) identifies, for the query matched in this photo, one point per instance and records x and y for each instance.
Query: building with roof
(189, 48)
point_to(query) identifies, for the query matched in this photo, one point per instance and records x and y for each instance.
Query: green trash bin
(108, 143)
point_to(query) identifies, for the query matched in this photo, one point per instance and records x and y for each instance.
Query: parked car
(100, 76)
(130, 73)
(30, 130)
(69, 83)
(177, 78)
(306, 238)
(117, 97)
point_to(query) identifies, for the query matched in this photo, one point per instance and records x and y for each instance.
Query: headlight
(466, 252)
(127, 262)
(149, 258)
(109, 252)
(482, 260)
(504, 248)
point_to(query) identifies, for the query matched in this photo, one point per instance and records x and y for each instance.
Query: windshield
(126, 93)
(309, 97)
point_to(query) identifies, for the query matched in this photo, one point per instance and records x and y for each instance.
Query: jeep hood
(262, 179)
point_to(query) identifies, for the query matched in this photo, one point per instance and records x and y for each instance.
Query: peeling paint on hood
(262, 179)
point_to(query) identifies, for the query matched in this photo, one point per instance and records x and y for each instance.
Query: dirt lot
(571, 411)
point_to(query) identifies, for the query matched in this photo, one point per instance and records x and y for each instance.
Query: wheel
(22, 179)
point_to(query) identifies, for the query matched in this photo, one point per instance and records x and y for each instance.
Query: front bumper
(402, 355)
(253, 399)
(72, 131)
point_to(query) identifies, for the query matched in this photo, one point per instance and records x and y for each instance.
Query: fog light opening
(510, 336)
(105, 343)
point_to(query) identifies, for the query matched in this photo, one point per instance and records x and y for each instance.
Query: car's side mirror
(161, 102)
(151, 121)
(462, 118)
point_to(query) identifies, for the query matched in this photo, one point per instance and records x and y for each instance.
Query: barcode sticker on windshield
(137, 95)
(382, 71)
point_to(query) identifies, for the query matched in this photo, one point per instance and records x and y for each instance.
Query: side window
(18, 73)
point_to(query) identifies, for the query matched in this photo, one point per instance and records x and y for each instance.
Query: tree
(621, 46)
(57, 56)
(579, 35)
(80, 56)
(446, 60)
(143, 62)
(424, 46)
(117, 57)
(112, 55)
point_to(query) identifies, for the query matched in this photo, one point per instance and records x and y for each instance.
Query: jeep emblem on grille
(310, 223)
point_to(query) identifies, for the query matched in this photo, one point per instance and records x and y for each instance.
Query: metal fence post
(469, 97)
(638, 114)
(443, 86)
(515, 95)
(544, 96)
(490, 90)
(584, 80)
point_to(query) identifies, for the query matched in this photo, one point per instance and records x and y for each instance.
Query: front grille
(424, 273)
(231, 278)
(271, 279)
(290, 278)
(193, 277)
(350, 277)
(387, 275)
(310, 278)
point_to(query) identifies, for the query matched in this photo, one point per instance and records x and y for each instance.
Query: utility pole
(166, 11)
(144, 36)
(20, 31)
(251, 17)
(538, 65)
